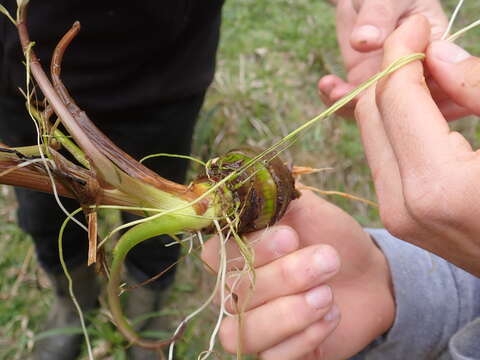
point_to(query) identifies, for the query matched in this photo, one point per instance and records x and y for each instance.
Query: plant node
(259, 190)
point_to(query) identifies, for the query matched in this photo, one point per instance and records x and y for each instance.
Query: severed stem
(55, 101)
(28, 178)
(33, 176)
(55, 65)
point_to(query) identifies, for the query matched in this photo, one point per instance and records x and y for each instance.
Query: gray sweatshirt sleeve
(435, 303)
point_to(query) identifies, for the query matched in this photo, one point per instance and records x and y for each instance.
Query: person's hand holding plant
(425, 175)
(293, 310)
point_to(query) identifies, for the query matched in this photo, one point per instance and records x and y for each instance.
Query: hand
(456, 75)
(362, 27)
(293, 312)
(426, 176)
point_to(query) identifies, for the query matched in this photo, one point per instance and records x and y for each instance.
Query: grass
(270, 58)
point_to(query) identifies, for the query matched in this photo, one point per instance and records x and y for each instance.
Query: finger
(435, 90)
(360, 66)
(367, 66)
(413, 123)
(345, 20)
(291, 274)
(340, 91)
(452, 111)
(272, 323)
(381, 161)
(456, 72)
(267, 245)
(432, 10)
(325, 86)
(306, 342)
(327, 83)
(449, 109)
(376, 20)
(331, 88)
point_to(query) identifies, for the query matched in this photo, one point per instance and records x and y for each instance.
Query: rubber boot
(63, 314)
(144, 301)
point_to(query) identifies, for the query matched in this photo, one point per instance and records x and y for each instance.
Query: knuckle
(421, 203)
(427, 201)
(391, 42)
(395, 221)
(435, 200)
(387, 95)
(422, 192)
(381, 9)
(296, 272)
(292, 316)
(363, 108)
(287, 271)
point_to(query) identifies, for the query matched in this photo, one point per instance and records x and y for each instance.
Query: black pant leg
(40, 216)
(161, 129)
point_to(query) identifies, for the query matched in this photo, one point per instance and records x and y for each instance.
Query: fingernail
(448, 52)
(319, 297)
(283, 242)
(333, 314)
(326, 259)
(367, 33)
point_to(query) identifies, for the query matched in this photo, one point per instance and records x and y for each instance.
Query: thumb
(456, 72)
(375, 21)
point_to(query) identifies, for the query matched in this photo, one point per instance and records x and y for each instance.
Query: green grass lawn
(271, 56)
